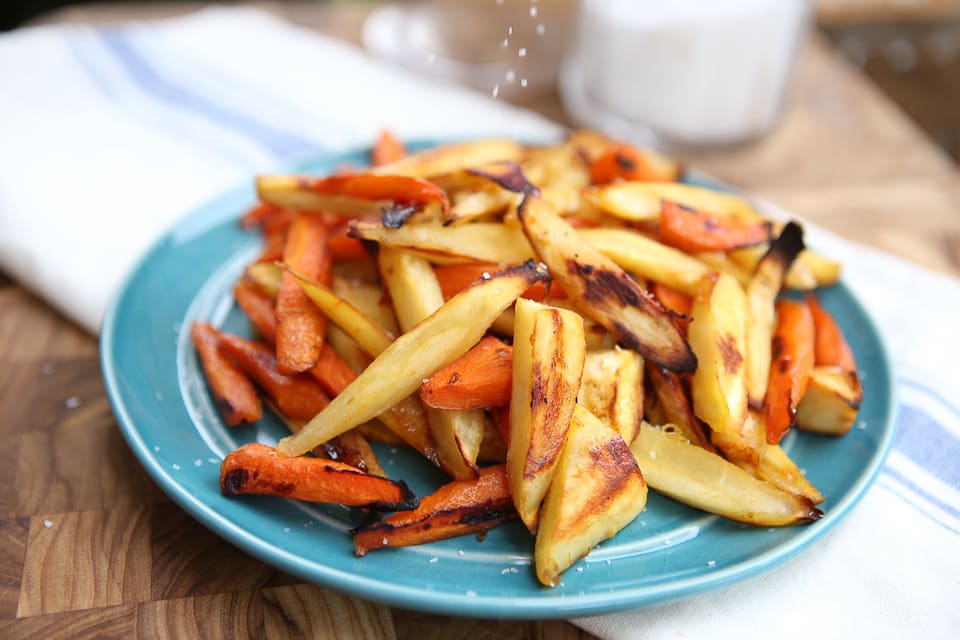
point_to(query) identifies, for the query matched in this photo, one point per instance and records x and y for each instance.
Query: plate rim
(439, 602)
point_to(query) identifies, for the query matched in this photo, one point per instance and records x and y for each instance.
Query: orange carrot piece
(692, 230)
(274, 237)
(258, 214)
(793, 358)
(346, 248)
(301, 326)
(402, 190)
(256, 468)
(454, 278)
(625, 162)
(455, 509)
(387, 148)
(831, 347)
(258, 305)
(234, 393)
(297, 397)
(676, 301)
(480, 379)
(331, 372)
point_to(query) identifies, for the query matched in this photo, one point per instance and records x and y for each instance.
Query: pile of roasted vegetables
(555, 327)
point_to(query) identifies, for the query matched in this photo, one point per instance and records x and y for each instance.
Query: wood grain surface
(90, 547)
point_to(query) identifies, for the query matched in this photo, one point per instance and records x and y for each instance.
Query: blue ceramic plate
(161, 402)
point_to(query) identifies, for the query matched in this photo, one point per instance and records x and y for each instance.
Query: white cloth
(108, 135)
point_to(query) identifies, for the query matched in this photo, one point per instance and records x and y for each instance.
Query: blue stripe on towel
(922, 493)
(280, 143)
(928, 444)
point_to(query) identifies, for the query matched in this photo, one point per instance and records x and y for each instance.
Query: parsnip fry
(704, 480)
(448, 158)
(475, 242)
(603, 291)
(548, 353)
(831, 402)
(416, 294)
(717, 334)
(612, 389)
(768, 279)
(597, 491)
(647, 258)
(256, 468)
(400, 369)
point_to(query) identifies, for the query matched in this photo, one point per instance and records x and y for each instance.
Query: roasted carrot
(387, 148)
(301, 326)
(298, 397)
(402, 190)
(676, 301)
(692, 230)
(792, 363)
(258, 305)
(479, 379)
(274, 233)
(259, 213)
(455, 509)
(331, 372)
(625, 162)
(233, 392)
(454, 278)
(343, 247)
(830, 346)
(256, 468)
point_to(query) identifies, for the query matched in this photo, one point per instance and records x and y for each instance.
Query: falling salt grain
(496, 90)
(522, 52)
(47, 368)
(48, 523)
(533, 12)
(72, 402)
(711, 563)
(523, 82)
(504, 43)
(511, 76)
(433, 559)
(541, 29)
(510, 30)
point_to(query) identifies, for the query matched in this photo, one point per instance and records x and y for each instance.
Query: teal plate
(158, 394)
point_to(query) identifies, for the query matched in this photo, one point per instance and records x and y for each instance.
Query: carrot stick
(259, 213)
(831, 347)
(233, 392)
(298, 397)
(331, 372)
(454, 278)
(301, 326)
(274, 237)
(402, 190)
(256, 468)
(387, 148)
(676, 301)
(479, 379)
(455, 509)
(258, 305)
(625, 162)
(346, 248)
(692, 230)
(793, 358)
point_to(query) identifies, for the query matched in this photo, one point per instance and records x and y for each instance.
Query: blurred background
(909, 48)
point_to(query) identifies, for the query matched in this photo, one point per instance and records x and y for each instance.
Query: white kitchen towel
(108, 135)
